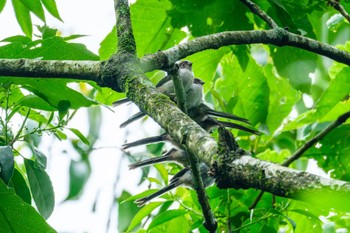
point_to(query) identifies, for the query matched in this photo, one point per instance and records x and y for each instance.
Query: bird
(183, 177)
(194, 98)
(166, 85)
(173, 155)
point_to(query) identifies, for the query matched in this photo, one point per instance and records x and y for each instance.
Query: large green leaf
(281, 99)
(332, 153)
(208, 16)
(152, 28)
(18, 216)
(247, 89)
(6, 163)
(331, 104)
(41, 187)
(19, 184)
(296, 65)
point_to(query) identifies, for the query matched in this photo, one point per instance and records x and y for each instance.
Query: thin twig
(210, 222)
(336, 5)
(340, 120)
(21, 128)
(259, 12)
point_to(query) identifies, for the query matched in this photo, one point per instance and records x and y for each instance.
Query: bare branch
(317, 138)
(27, 68)
(277, 36)
(259, 12)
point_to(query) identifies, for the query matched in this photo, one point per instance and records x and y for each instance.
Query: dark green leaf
(296, 65)
(6, 163)
(41, 188)
(79, 173)
(204, 17)
(165, 217)
(20, 186)
(51, 7)
(18, 216)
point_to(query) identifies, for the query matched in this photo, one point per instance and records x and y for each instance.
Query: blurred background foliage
(287, 93)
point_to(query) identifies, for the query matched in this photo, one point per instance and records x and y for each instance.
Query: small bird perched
(183, 177)
(173, 155)
(166, 85)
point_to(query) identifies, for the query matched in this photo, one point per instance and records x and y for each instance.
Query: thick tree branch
(247, 172)
(277, 36)
(27, 68)
(340, 120)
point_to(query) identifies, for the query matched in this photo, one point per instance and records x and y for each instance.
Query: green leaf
(41, 187)
(165, 217)
(141, 195)
(23, 17)
(80, 135)
(151, 26)
(40, 159)
(144, 212)
(19, 184)
(79, 173)
(281, 99)
(6, 163)
(33, 101)
(126, 211)
(51, 7)
(248, 89)
(18, 216)
(2, 5)
(35, 7)
(108, 45)
(296, 65)
(209, 16)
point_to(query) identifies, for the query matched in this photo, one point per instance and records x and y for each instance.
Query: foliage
(288, 93)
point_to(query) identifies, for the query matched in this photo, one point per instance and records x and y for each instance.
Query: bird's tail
(150, 161)
(227, 115)
(143, 201)
(143, 141)
(120, 102)
(237, 126)
(132, 119)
